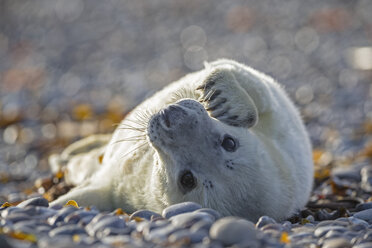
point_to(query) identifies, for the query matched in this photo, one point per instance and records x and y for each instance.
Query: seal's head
(201, 159)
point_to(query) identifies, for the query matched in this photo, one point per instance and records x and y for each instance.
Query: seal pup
(227, 137)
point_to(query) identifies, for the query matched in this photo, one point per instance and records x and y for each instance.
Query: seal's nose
(172, 115)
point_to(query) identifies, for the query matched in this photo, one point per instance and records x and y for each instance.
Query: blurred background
(70, 68)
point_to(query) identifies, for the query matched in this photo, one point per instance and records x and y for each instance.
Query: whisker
(129, 139)
(133, 150)
(131, 128)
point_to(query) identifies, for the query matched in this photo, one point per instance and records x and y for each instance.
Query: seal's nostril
(166, 120)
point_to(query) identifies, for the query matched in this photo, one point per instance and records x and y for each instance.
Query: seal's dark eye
(187, 181)
(229, 144)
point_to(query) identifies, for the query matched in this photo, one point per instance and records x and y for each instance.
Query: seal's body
(227, 137)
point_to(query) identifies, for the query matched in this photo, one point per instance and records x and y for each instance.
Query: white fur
(269, 174)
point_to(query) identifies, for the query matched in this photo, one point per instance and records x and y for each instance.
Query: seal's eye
(187, 181)
(229, 144)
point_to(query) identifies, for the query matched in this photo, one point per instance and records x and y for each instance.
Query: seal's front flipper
(81, 159)
(226, 100)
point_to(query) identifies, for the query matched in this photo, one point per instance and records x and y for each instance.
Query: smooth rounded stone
(363, 206)
(31, 223)
(264, 220)
(4, 242)
(336, 243)
(300, 236)
(355, 221)
(67, 230)
(75, 217)
(146, 227)
(180, 208)
(364, 215)
(201, 225)
(273, 226)
(273, 233)
(333, 234)
(210, 211)
(60, 215)
(117, 241)
(363, 245)
(333, 223)
(232, 230)
(16, 217)
(145, 214)
(188, 219)
(287, 226)
(43, 229)
(9, 210)
(85, 220)
(366, 173)
(62, 241)
(323, 230)
(161, 234)
(186, 234)
(37, 201)
(110, 222)
(347, 174)
(33, 211)
(112, 231)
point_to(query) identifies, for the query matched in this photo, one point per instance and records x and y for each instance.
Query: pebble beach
(72, 68)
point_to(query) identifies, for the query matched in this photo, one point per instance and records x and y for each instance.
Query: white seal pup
(227, 137)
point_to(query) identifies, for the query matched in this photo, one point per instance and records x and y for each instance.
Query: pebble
(145, 214)
(104, 224)
(364, 215)
(336, 243)
(188, 219)
(210, 211)
(4, 242)
(363, 206)
(264, 220)
(180, 208)
(37, 201)
(323, 230)
(232, 230)
(70, 230)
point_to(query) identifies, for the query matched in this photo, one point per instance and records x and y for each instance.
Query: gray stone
(365, 215)
(75, 217)
(145, 214)
(363, 206)
(161, 234)
(37, 201)
(323, 230)
(188, 219)
(4, 242)
(109, 222)
(201, 225)
(61, 214)
(301, 235)
(67, 230)
(186, 234)
(363, 245)
(180, 208)
(113, 231)
(332, 223)
(233, 230)
(336, 243)
(210, 211)
(264, 220)
(118, 241)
